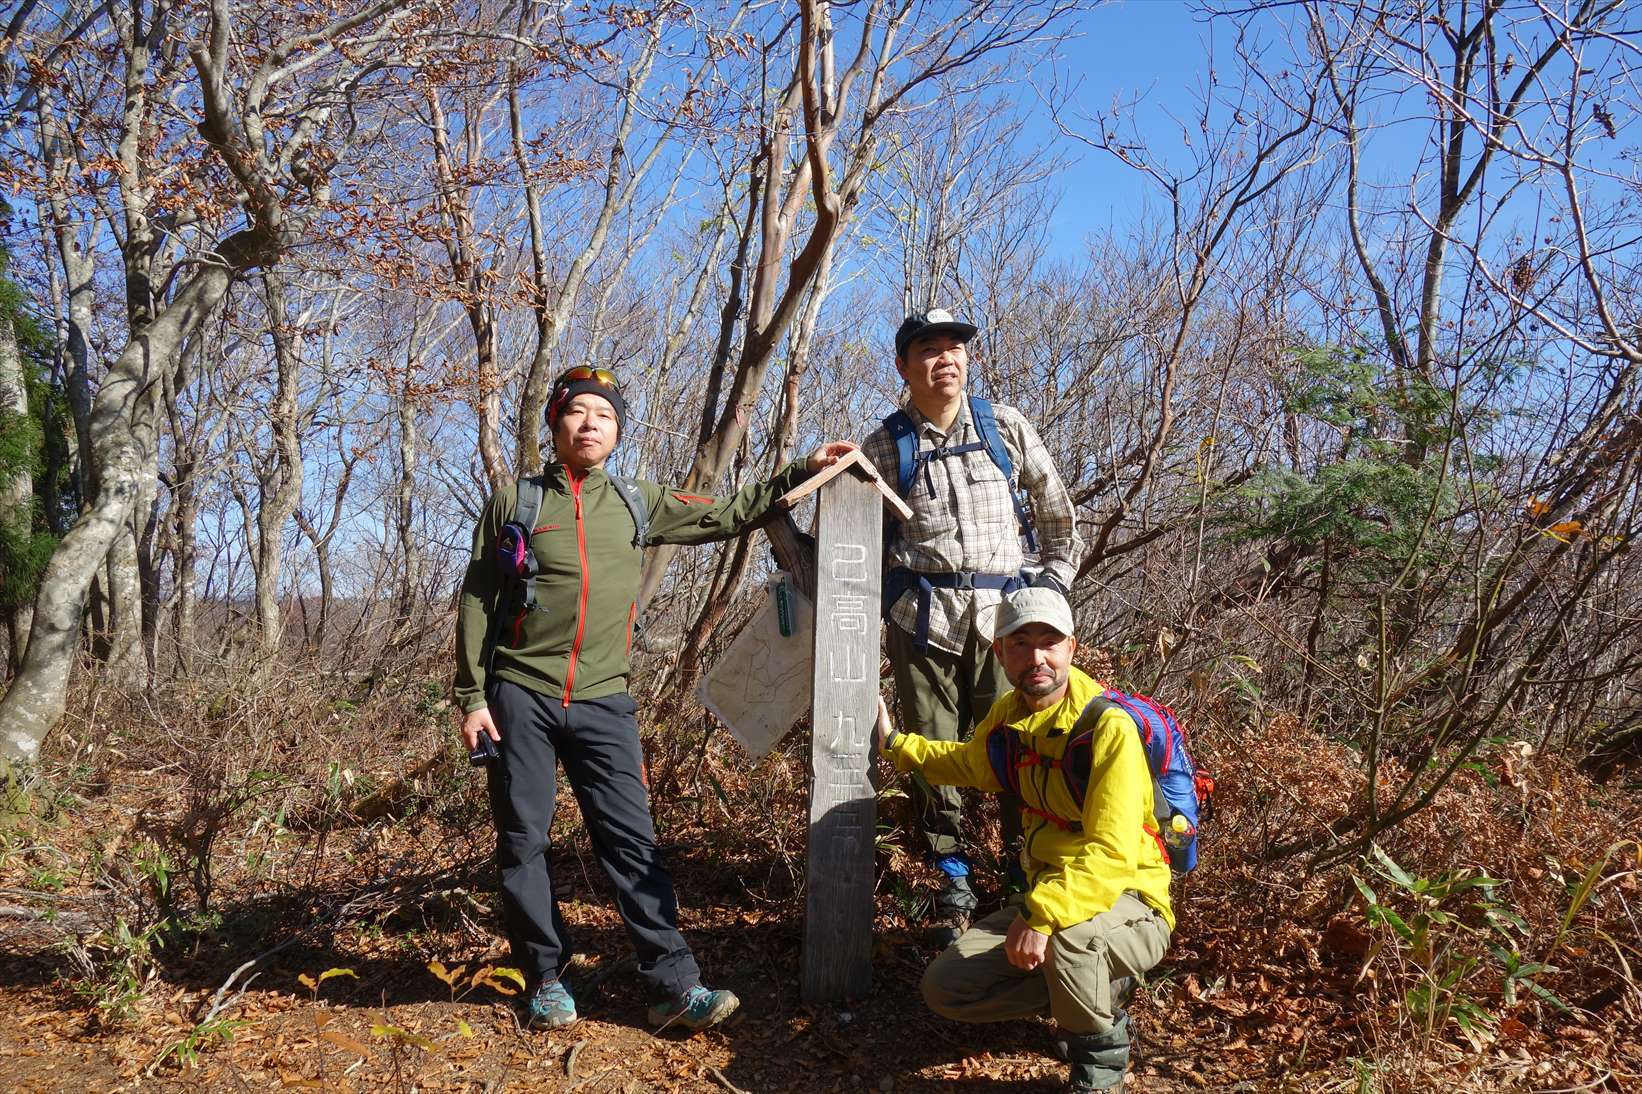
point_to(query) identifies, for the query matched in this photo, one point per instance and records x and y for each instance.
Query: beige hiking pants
(973, 981)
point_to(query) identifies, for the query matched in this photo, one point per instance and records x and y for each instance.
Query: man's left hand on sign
(477, 722)
(1025, 947)
(827, 455)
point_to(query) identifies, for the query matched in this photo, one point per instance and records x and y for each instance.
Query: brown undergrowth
(186, 866)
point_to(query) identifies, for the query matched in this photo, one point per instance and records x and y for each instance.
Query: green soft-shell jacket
(577, 641)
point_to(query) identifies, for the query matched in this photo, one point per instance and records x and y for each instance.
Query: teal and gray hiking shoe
(697, 1008)
(551, 1007)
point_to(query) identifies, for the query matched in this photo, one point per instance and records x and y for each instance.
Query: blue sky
(1153, 51)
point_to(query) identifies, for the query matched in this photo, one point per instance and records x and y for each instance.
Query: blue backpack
(909, 461)
(1178, 787)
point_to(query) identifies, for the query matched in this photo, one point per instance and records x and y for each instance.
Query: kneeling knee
(939, 993)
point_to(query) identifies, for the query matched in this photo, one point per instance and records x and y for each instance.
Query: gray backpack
(517, 561)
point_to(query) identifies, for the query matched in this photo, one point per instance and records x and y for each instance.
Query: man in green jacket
(541, 672)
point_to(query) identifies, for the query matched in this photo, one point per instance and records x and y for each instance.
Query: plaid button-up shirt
(963, 519)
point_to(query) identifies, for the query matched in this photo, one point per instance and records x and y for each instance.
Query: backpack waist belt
(901, 579)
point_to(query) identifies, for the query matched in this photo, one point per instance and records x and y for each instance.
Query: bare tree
(16, 484)
(278, 178)
(839, 114)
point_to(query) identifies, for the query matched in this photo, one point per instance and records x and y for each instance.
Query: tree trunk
(280, 484)
(472, 280)
(146, 524)
(78, 256)
(126, 664)
(17, 488)
(123, 444)
(410, 574)
(184, 516)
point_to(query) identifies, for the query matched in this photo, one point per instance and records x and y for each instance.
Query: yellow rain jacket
(1073, 875)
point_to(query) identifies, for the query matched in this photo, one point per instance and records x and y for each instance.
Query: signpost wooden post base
(837, 962)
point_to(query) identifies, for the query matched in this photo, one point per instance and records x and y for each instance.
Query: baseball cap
(933, 321)
(1033, 605)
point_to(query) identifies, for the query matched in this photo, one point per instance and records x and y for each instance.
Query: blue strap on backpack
(986, 424)
(909, 461)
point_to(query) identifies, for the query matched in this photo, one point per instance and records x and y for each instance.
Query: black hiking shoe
(1098, 1059)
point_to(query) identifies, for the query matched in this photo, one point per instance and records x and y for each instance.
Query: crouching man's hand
(884, 730)
(1025, 947)
(827, 455)
(477, 722)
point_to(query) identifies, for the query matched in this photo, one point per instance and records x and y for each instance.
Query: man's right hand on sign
(884, 729)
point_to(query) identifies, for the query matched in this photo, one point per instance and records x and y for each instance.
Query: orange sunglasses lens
(583, 372)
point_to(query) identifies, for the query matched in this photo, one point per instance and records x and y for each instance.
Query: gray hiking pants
(597, 741)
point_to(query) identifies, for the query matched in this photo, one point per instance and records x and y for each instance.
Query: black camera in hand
(484, 751)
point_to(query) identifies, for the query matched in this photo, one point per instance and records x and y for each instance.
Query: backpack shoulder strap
(526, 506)
(986, 424)
(1092, 711)
(1003, 753)
(636, 505)
(1079, 754)
(905, 436)
(528, 502)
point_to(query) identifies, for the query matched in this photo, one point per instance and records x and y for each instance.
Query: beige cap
(1033, 605)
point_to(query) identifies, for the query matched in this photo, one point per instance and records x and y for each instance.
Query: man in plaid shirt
(951, 564)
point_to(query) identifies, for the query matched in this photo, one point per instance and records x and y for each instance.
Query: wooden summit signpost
(848, 572)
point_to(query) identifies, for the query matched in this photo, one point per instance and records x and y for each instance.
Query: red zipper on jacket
(581, 602)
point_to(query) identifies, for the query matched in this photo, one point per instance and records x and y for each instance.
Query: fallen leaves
(1344, 936)
(343, 1041)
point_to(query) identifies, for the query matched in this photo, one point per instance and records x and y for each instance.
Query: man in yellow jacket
(1096, 909)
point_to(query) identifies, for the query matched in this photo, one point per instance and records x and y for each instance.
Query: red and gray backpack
(516, 561)
(1178, 787)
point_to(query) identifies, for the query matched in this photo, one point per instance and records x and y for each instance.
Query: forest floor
(136, 883)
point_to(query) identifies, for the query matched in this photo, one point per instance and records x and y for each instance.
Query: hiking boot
(696, 1009)
(1123, 993)
(551, 1006)
(1098, 1059)
(954, 904)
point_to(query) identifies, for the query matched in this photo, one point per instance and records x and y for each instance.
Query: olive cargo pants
(973, 981)
(942, 696)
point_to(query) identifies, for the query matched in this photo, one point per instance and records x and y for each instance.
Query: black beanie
(564, 392)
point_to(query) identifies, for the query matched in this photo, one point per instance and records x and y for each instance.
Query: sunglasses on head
(601, 376)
